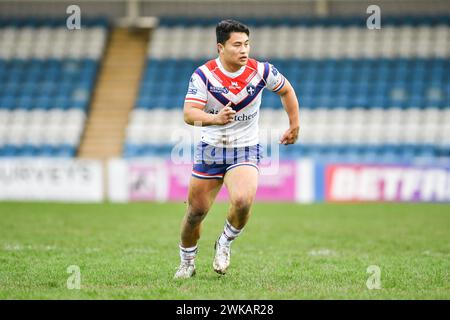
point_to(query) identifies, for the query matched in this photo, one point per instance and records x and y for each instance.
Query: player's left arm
(290, 104)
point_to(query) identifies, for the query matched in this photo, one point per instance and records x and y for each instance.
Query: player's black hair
(225, 27)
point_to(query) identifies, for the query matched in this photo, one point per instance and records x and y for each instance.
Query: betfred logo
(386, 183)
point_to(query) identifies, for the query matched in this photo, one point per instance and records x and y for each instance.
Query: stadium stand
(365, 95)
(47, 76)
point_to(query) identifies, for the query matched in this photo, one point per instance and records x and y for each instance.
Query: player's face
(236, 49)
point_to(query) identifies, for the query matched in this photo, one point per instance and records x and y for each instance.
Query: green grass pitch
(287, 251)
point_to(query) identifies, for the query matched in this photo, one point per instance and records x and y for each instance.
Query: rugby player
(224, 98)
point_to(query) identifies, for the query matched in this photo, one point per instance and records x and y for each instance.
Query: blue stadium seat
(9, 150)
(8, 102)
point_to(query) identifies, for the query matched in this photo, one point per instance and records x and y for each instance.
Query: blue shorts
(213, 162)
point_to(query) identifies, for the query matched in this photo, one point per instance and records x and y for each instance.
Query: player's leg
(202, 193)
(242, 182)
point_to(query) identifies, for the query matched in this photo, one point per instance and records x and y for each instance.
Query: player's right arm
(194, 115)
(194, 105)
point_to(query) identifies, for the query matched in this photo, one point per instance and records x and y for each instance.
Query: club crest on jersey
(234, 85)
(251, 90)
(214, 89)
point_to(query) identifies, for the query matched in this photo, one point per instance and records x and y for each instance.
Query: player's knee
(242, 204)
(196, 212)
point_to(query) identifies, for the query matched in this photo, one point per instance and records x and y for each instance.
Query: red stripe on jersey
(278, 86)
(235, 85)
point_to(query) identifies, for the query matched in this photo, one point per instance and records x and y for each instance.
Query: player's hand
(290, 136)
(226, 115)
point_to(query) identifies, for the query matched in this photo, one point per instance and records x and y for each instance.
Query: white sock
(229, 234)
(188, 254)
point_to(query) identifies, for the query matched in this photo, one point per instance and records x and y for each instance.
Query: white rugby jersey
(213, 87)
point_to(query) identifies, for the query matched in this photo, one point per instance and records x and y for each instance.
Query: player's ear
(219, 48)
